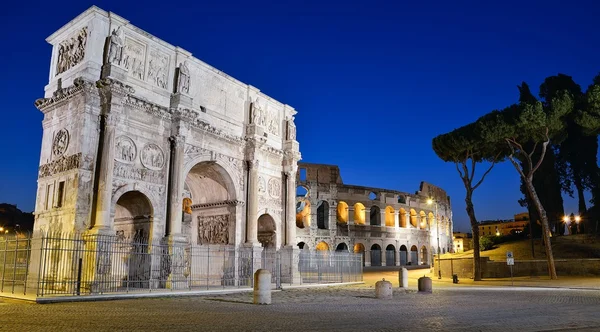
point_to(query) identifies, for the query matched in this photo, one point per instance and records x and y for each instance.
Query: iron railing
(56, 264)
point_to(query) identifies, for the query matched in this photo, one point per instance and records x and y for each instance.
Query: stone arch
(422, 220)
(302, 191)
(214, 194)
(342, 246)
(390, 255)
(322, 215)
(302, 245)
(134, 216)
(375, 216)
(359, 214)
(359, 248)
(403, 255)
(322, 246)
(342, 212)
(389, 216)
(375, 255)
(155, 201)
(414, 255)
(267, 231)
(402, 218)
(431, 220)
(413, 218)
(303, 211)
(424, 257)
(234, 177)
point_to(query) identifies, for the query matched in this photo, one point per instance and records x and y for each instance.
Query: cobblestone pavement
(348, 308)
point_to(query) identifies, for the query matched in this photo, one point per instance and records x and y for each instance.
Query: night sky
(373, 82)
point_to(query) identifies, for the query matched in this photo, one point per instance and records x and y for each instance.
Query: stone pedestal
(425, 285)
(97, 259)
(262, 287)
(175, 262)
(383, 289)
(403, 277)
(290, 259)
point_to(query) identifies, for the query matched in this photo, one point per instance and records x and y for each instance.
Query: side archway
(375, 255)
(403, 255)
(322, 215)
(414, 255)
(390, 255)
(375, 216)
(359, 248)
(342, 247)
(267, 231)
(413, 218)
(342, 212)
(424, 257)
(359, 214)
(402, 218)
(389, 216)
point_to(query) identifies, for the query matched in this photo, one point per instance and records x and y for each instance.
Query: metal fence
(56, 264)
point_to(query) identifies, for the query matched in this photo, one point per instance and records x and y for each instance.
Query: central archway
(213, 210)
(266, 231)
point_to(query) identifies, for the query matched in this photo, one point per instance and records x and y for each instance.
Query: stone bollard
(425, 285)
(383, 289)
(403, 277)
(262, 287)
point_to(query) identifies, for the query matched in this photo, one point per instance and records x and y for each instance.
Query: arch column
(290, 202)
(350, 215)
(367, 216)
(102, 220)
(396, 221)
(252, 218)
(176, 179)
(408, 221)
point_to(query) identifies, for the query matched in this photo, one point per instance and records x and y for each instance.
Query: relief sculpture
(213, 229)
(71, 51)
(262, 188)
(268, 120)
(152, 157)
(60, 165)
(134, 58)
(291, 131)
(125, 150)
(158, 68)
(60, 143)
(274, 187)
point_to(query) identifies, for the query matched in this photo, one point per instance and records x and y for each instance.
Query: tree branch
(517, 167)
(544, 149)
(486, 172)
(472, 170)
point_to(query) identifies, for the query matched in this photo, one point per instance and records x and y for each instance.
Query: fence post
(14, 280)
(207, 267)
(27, 258)
(4, 262)
(79, 276)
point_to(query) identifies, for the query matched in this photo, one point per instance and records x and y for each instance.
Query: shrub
(486, 243)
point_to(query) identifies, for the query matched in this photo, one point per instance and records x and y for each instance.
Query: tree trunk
(475, 231)
(545, 228)
(580, 197)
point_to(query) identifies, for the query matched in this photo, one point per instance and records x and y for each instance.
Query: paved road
(350, 308)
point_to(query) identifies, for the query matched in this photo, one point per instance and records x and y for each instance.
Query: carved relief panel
(60, 142)
(134, 59)
(262, 188)
(126, 150)
(158, 68)
(152, 157)
(213, 229)
(71, 51)
(266, 118)
(274, 188)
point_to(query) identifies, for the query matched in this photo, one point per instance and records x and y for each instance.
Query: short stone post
(425, 285)
(403, 277)
(262, 287)
(383, 289)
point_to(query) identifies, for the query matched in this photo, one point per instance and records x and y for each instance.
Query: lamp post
(437, 226)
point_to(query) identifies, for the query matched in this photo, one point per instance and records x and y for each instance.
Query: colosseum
(390, 228)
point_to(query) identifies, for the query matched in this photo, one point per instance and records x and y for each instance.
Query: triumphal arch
(142, 139)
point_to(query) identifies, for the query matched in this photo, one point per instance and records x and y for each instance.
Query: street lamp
(437, 226)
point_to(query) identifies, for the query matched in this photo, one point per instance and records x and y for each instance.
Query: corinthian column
(252, 218)
(103, 221)
(290, 201)
(176, 184)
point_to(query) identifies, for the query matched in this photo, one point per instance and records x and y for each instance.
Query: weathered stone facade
(133, 126)
(390, 227)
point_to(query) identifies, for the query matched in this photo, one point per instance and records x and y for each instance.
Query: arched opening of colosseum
(372, 196)
(342, 212)
(322, 215)
(414, 255)
(133, 223)
(431, 220)
(212, 194)
(301, 191)
(303, 213)
(322, 246)
(402, 216)
(424, 257)
(390, 255)
(359, 214)
(341, 247)
(302, 245)
(389, 216)
(375, 255)
(266, 231)
(375, 216)
(422, 220)
(359, 248)
(413, 218)
(403, 255)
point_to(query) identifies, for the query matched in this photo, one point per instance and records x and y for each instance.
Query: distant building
(461, 242)
(504, 227)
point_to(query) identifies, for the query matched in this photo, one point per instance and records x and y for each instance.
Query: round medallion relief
(60, 143)
(125, 150)
(152, 156)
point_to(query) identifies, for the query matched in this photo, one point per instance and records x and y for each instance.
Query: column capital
(177, 140)
(253, 164)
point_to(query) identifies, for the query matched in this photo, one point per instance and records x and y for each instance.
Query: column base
(176, 261)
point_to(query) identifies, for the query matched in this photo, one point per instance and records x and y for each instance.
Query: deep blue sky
(373, 81)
